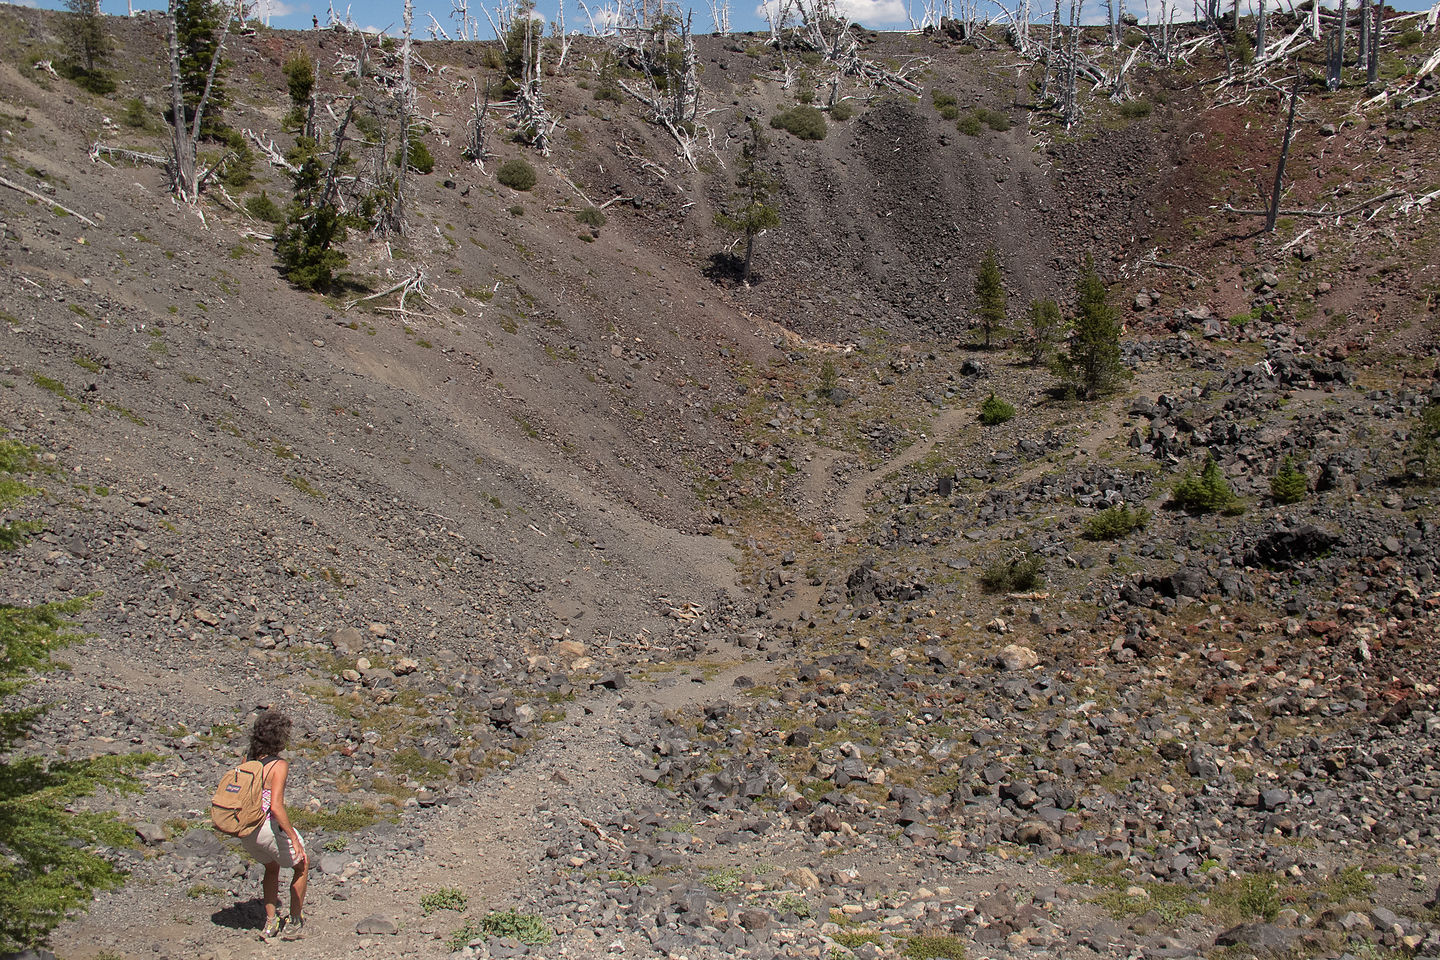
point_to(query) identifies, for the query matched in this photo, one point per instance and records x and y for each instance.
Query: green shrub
(994, 411)
(446, 898)
(263, 208)
(1289, 484)
(946, 104)
(934, 948)
(1207, 492)
(1135, 109)
(804, 122)
(592, 217)
(135, 114)
(418, 157)
(529, 928)
(969, 125)
(1422, 464)
(997, 120)
(1113, 523)
(54, 857)
(517, 174)
(842, 111)
(96, 81)
(347, 818)
(1409, 38)
(1253, 896)
(304, 246)
(1244, 49)
(1008, 576)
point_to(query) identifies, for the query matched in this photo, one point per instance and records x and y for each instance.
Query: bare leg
(271, 889)
(297, 889)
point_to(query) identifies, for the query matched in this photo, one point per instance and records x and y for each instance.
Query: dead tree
(1362, 55)
(1260, 32)
(1335, 51)
(475, 128)
(1278, 187)
(405, 96)
(720, 16)
(1372, 60)
(532, 121)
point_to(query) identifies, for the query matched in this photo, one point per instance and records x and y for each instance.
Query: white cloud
(870, 12)
(866, 12)
(267, 10)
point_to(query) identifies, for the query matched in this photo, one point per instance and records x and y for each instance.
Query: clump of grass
(592, 217)
(724, 880)
(1016, 574)
(805, 122)
(446, 898)
(1113, 523)
(929, 948)
(1254, 896)
(346, 818)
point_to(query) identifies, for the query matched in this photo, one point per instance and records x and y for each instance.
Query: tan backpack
(238, 808)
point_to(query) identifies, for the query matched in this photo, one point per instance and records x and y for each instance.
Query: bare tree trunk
(1284, 154)
(407, 106)
(1260, 32)
(182, 148)
(1372, 65)
(1362, 56)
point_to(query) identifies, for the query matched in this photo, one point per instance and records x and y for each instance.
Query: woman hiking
(276, 843)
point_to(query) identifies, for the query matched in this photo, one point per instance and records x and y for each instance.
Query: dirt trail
(489, 842)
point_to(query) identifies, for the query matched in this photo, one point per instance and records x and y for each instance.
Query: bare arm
(278, 811)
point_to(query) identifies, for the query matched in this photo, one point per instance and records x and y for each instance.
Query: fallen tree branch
(272, 153)
(1388, 195)
(134, 156)
(46, 200)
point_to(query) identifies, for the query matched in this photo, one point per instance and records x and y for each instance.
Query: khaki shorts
(263, 846)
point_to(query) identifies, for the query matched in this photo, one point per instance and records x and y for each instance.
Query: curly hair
(269, 735)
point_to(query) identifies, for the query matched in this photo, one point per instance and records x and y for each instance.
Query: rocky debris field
(618, 618)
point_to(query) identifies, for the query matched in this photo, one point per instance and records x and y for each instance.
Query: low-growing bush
(517, 174)
(1135, 109)
(1016, 574)
(934, 948)
(969, 125)
(263, 208)
(1409, 38)
(1289, 484)
(592, 217)
(1113, 523)
(446, 898)
(946, 104)
(995, 411)
(804, 122)
(997, 120)
(418, 157)
(842, 111)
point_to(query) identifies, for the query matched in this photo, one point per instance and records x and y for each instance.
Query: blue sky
(744, 14)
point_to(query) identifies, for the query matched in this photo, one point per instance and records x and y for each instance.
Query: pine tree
(51, 857)
(86, 43)
(199, 26)
(751, 212)
(990, 292)
(1289, 484)
(1092, 363)
(1045, 326)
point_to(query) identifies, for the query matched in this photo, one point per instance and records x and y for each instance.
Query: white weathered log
(46, 200)
(134, 156)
